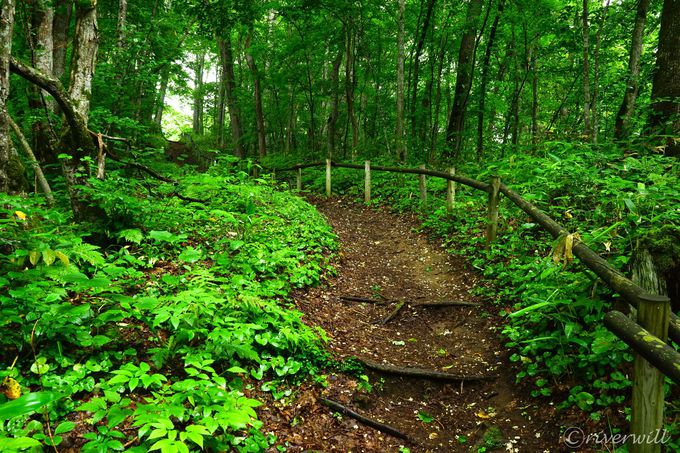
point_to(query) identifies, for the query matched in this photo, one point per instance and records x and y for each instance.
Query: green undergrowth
(149, 330)
(553, 311)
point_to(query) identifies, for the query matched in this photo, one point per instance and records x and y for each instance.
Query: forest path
(381, 255)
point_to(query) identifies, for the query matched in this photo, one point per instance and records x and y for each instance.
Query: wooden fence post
(450, 191)
(299, 179)
(423, 188)
(328, 178)
(492, 221)
(367, 181)
(648, 394)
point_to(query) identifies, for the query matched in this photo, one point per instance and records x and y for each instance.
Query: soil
(384, 258)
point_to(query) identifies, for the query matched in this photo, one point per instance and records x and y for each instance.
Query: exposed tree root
(394, 313)
(423, 374)
(364, 420)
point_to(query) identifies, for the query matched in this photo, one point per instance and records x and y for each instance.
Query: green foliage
(166, 324)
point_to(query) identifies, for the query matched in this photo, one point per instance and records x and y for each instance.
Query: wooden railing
(654, 359)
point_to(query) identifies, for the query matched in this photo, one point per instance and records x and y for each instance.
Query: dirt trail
(382, 256)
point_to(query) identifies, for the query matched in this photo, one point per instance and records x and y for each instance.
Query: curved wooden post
(648, 394)
(367, 181)
(328, 178)
(492, 222)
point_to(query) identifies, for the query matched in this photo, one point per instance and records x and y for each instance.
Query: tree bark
(399, 139)
(259, 115)
(227, 60)
(622, 124)
(456, 126)
(596, 75)
(160, 101)
(198, 93)
(666, 85)
(42, 44)
(63, 10)
(485, 77)
(587, 130)
(416, 67)
(122, 22)
(85, 46)
(350, 84)
(7, 160)
(335, 94)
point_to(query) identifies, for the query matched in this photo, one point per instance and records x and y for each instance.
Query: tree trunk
(399, 139)
(8, 176)
(198, 93)
(622, 126)
(85, 46)
(259, 115)
(350, 84)
(335, 94)
(160, 101)
(63, 10)
(122, 22)
(666, 85)
(227, 60)
(416, 67)
(587, 130)
(42, 16)
(456, 126)
(596, 74)
(534, 99)
(484, 81)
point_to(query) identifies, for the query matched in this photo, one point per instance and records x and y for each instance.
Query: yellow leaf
(20, 215)
(62, 257)
(49, 256)
(34, 257)
(11, 388)
(482, 415)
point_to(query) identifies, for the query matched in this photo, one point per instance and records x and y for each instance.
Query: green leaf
(132, 235)
(425, 417)
(191, 255)
(27, 404)
(64, 427)
(20, 443)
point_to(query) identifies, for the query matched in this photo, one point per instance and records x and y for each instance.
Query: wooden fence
(648, 338)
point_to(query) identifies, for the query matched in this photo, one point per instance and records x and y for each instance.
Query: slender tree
(456, 126)
(259, 115)
(7, 160)
(622, 126)
(587, 128)
(399, 141)
(229, 83)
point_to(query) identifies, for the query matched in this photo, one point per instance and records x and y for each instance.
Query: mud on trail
(383, 258)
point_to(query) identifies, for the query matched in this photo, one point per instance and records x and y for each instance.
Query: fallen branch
(364, 420)
(423, 374)
(394, 312)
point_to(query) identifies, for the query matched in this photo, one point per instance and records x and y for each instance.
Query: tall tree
(416, 66)
(587, 129)
(84, 60)
(399, 141)
(229, 83)
(199, 94)
(665, 117)
(42, 43)
(259, 115)
(335, 96)
(621, 126)
(456, 126)
(484, 80)
(63, 10)
(7, 166)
